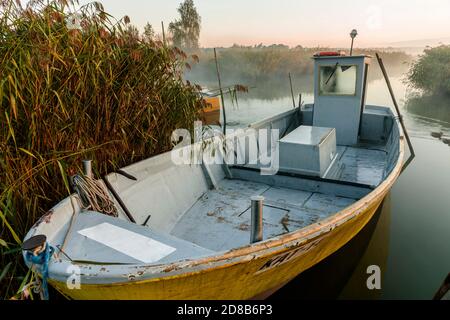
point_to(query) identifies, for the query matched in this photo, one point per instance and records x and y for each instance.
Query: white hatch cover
(132, 244)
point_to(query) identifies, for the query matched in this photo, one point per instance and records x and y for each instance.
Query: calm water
(410, 236)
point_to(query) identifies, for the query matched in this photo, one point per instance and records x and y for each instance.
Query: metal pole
(257, 219)
(87, 168)
(292, 90)
(163, 32)
(119, 199)
(400, 117)
(351, 48)
(353, 35)
(443, 290)
(221, 94)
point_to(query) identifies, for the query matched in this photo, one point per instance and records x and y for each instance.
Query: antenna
(353, 35)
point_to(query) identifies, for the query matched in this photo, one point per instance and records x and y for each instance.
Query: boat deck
(220, 220)
(365, 165)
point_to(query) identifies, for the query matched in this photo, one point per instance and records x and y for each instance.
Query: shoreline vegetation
(265, 69)
(75, 84)
(430, 73)
(429, 77)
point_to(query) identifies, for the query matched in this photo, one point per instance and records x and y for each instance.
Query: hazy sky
(293, 22)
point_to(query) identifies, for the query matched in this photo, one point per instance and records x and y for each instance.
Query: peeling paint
(46, 218)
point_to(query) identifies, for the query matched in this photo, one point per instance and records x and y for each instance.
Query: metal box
(308, 150)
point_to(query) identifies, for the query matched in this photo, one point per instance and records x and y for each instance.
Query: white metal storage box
(308, 150)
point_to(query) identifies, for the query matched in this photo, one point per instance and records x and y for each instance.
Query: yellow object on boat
(211, 114)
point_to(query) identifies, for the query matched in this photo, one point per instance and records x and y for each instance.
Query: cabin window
(338, 80)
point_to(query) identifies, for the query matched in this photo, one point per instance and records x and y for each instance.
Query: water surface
(410, 239)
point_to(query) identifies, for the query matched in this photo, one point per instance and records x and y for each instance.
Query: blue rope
(42, 260)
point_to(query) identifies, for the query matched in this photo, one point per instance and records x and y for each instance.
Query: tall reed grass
(75, 83)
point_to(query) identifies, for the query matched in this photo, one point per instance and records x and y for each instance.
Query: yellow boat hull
(243, 280)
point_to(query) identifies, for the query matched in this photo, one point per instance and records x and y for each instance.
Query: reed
(76, 83)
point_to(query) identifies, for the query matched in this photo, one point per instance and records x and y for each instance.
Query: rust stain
(47, 217)
(244, 227)
(285, 222)
(171, 268)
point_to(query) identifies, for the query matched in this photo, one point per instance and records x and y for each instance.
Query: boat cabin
(337, 114)
(339, 95)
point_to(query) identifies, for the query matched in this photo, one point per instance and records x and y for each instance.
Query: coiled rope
(93, 195)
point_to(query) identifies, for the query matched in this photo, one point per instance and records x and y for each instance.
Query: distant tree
(278, 46)
(186, 30)
(431, 71)
(131, 31)
(149, 33)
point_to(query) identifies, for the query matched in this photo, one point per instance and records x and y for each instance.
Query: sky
(298, 22)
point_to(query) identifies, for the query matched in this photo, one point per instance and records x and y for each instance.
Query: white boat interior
(192, 211)
(187, 217)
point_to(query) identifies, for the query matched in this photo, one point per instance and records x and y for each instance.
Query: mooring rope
(41, 261)
(93, 195)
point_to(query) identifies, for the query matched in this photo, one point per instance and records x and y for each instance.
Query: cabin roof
(366, 58)
(342, 57)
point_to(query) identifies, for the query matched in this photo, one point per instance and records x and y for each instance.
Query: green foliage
(76, 86)
(186, 30)
(431, 72)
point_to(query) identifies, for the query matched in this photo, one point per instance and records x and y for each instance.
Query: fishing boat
(233, 230)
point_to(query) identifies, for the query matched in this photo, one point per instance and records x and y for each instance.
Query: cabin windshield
(338, 80)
